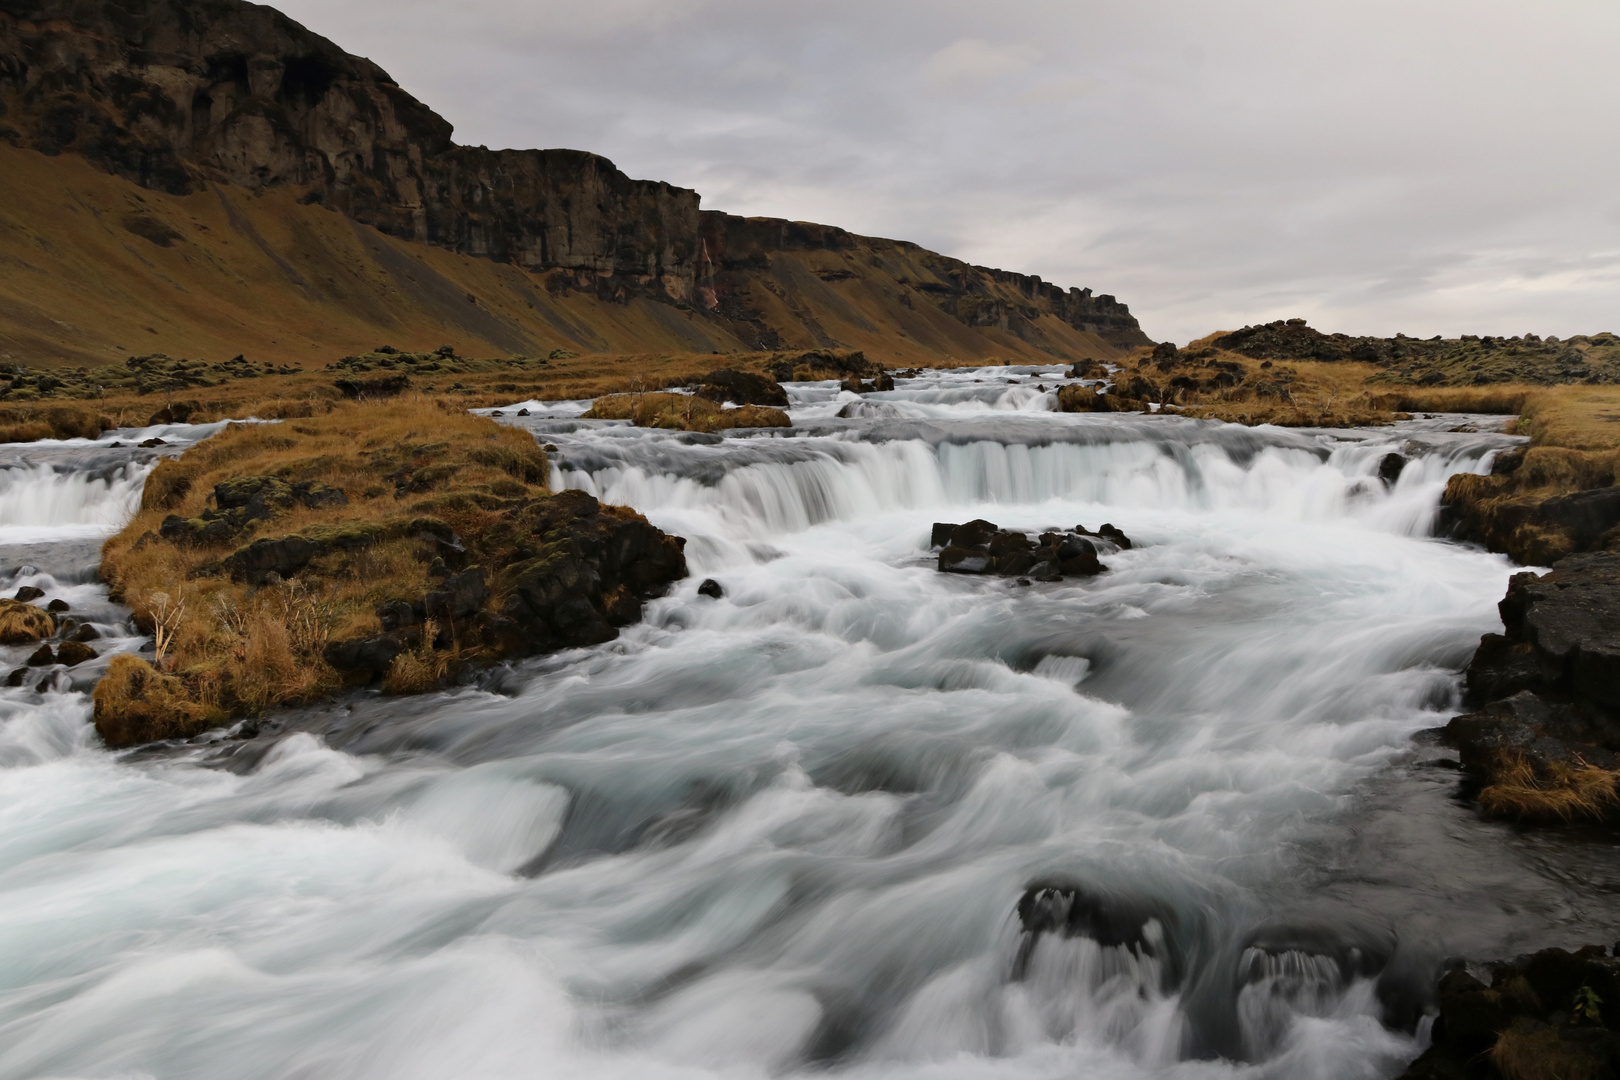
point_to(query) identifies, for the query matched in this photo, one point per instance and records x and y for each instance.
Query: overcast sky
(1425, 166)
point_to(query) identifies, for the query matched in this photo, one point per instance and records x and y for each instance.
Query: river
(787, 830)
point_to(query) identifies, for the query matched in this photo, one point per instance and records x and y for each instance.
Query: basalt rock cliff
(174, 94)
(217, 98)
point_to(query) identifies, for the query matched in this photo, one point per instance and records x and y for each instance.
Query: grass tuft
(1567, 794)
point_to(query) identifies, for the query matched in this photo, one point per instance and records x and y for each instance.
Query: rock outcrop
(571, 572)
(1550, 1014)
(1514, 510)
(1545, 731)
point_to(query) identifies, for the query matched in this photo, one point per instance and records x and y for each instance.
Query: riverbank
(400, 541)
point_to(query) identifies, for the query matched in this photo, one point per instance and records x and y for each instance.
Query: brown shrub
(420, 669)
(22, 623)
(135, 703)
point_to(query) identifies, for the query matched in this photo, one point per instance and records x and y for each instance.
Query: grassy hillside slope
(96, 268)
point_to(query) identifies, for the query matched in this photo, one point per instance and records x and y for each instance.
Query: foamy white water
(786, 831)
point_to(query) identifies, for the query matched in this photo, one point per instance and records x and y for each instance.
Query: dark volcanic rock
(1549, 1014)
(1571, 617)
(571, 572)
(58, 605)
(380, 387)
(240, 502)
(29, 592)
(979, 547)
(283, 556)
(73, 652)
(1547, 691)
(1390, 467)
(593, 567)
(743, 388)
(1285, 339)
(711, 588)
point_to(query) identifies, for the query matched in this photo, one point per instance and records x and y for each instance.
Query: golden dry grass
(1501, 400)
(136, 703)
(241, 648)
(1531, 1051)
(683, 412)
(1515, 791)
(21, 623)
(262, 274)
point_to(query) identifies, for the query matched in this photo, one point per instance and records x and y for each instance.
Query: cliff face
(221, 98)
(176, 93)
(738, 253)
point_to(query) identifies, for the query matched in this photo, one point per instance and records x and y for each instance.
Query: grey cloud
(1429, 167)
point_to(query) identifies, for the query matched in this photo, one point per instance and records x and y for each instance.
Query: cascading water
(792, 829)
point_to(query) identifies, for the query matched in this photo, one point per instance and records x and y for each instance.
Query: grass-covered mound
(395, 541)
(683, 412)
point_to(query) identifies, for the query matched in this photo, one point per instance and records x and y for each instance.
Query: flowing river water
(787, 831)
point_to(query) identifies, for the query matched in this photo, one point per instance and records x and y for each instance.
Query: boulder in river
(29, 592)
(981, 547)
(742, 387)
(72, 653)
(21, 623)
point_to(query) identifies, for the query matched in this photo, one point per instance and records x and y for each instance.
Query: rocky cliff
(173, 94)
(183, 98)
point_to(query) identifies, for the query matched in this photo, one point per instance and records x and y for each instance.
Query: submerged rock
(711, 588)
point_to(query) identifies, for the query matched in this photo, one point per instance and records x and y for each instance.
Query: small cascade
(1279, 988)
(46, 500)
(1121, 995)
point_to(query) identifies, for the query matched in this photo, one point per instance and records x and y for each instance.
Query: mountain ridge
(184, 97)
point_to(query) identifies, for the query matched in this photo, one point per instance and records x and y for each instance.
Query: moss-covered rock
(135, 703)
(22, 623)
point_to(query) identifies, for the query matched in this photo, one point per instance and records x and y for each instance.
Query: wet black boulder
(742, 387)
(980, 547)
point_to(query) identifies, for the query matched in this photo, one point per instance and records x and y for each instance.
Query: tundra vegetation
(397, 541)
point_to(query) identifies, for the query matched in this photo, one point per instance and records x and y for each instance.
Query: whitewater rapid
(786, 831)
